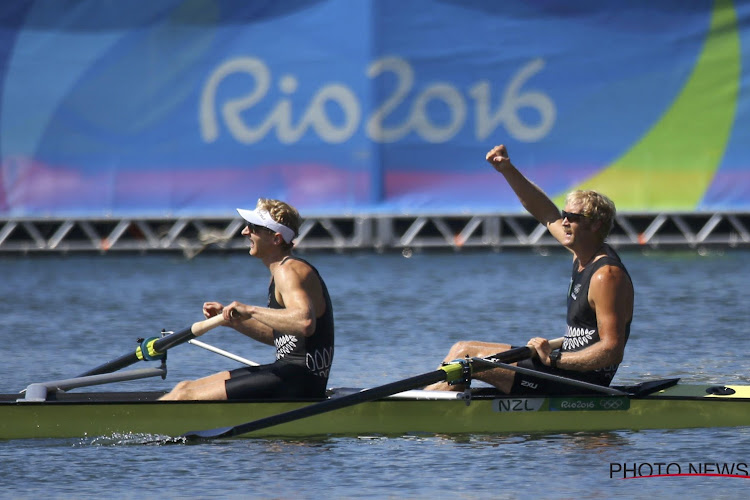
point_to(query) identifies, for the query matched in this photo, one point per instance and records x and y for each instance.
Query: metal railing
(379, 233)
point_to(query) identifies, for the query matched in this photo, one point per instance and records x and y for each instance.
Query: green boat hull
(106, 414)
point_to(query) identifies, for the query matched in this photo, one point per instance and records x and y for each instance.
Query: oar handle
(556, 343)
(455, 373)
(200, 327)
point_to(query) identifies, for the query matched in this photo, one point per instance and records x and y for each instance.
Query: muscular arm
(611, 296)
(254, 329)
(533, 199)
(301, 295)
(246, 326)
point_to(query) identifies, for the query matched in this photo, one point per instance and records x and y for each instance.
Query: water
(395, 317)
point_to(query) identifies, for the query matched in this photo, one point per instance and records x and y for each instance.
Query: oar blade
(219, 432)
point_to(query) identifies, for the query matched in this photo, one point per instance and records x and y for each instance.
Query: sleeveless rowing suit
(302, 363)
(582, 331)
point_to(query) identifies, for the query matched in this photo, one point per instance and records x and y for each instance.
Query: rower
(298, 319)
(600, 296)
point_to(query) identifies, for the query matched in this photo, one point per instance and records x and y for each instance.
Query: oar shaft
(112, 366)
(549, 376)
(342, 402)
(440, 375)
(161, 345)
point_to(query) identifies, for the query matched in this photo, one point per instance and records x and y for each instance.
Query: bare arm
(246, 326)
(301, 295)
(533, 199)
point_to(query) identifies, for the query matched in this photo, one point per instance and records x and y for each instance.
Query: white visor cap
(263, 218)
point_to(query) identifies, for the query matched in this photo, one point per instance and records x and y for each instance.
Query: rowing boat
(663, 404)
(52, 410)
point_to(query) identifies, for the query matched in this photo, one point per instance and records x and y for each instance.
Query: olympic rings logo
(612, 404)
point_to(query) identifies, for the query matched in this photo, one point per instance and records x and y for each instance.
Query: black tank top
(582, 328)
(316, 351)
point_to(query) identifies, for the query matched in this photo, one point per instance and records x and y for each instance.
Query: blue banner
(366, 106)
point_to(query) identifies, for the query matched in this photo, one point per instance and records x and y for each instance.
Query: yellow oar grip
(453, 371)
(150, 352)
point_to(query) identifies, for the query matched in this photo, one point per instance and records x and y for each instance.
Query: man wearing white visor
(298, 319)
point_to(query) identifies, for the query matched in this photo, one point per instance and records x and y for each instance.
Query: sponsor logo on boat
(517, 404)
(589, 404)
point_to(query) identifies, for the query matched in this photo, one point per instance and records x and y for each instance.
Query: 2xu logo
(509, 405)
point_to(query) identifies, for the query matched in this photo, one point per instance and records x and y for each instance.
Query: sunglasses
(254, 228)
(572, 217)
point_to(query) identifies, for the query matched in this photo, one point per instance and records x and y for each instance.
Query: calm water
(395, 317)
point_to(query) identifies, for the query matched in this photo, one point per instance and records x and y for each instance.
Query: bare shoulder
(298, 279)
(611, 283)
(294, 270)
(610, 275)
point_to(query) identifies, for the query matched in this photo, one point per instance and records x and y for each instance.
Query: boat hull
(99, 414)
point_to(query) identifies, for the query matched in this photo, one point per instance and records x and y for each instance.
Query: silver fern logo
(284, 345)
(577, 338)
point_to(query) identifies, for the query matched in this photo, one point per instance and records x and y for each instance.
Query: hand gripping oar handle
(449, 372)
(160, 345)
(554, 344)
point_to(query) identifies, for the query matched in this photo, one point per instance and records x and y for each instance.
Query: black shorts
(529, 385)
(277, 381)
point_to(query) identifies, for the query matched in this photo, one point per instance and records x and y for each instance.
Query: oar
(555, 378)
(158, 346)
(447, 373)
